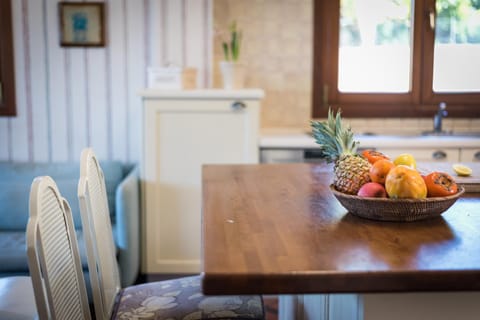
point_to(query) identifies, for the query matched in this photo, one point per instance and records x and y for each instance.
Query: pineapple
(351, 170)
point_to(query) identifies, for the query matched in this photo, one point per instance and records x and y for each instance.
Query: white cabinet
(294, 146)
(182, 131)
(438, 154)
(281, 155)
(470, 155)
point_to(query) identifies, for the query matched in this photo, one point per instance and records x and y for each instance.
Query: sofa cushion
(114, 173)
(18, 299)
(13, 252)
(13, 204)
(16, 179)
(26, 171)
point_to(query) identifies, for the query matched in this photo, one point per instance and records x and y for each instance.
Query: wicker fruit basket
(403, 210)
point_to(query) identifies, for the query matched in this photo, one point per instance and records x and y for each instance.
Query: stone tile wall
(277, 51)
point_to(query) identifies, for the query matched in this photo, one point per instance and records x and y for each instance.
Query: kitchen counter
(302, 140)
(299, 146)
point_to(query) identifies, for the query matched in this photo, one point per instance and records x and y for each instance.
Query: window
(402, 58)
(7, 79)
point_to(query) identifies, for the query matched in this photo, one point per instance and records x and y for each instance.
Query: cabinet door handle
(476, 156)
(238, 105)
(439, 155)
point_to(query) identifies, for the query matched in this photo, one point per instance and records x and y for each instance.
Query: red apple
(372, 190)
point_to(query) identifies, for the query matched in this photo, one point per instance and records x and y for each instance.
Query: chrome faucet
(437, 118)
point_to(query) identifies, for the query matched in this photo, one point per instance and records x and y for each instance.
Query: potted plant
(232, 70)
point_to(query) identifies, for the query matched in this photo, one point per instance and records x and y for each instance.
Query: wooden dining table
(278, 229)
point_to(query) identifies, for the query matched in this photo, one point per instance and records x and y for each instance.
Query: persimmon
(440, 184)
(373, 156)
(379, 170)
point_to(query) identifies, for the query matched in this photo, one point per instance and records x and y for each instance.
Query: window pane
(456, 63)
(375, 46)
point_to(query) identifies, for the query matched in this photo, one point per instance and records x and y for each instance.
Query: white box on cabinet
(183, 130)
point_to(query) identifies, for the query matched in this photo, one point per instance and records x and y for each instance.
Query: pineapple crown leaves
(335, 138)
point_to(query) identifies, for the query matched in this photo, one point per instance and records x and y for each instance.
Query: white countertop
(302, 140)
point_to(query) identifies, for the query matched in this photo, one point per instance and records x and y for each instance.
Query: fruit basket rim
(460, 191)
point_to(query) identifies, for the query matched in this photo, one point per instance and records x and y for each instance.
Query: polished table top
(276, 228)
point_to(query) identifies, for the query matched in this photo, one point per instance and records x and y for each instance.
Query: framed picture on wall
(81, 24)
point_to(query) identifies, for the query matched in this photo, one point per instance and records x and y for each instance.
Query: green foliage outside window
(458, 21)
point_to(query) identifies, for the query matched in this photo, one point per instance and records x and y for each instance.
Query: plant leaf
(225, 51)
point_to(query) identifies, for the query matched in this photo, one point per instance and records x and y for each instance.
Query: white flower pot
(233, 74)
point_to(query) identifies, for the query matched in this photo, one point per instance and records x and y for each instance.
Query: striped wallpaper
(70, 98)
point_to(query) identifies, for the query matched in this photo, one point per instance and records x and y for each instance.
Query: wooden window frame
(421, 101)
(7, 71)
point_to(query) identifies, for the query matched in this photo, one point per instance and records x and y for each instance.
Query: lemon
(406, 159)
(461, 170)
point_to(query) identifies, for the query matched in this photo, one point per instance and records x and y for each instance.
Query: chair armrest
(127, 211)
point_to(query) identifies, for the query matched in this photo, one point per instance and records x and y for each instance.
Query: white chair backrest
(97, 228)
(53, 258)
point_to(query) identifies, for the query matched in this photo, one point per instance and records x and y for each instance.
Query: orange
(380, 169)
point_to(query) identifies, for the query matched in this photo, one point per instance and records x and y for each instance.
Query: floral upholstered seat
(181, 299)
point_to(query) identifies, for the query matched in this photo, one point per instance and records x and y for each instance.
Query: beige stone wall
(277, 50)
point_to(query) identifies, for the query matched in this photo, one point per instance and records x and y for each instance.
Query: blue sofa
(122, 184)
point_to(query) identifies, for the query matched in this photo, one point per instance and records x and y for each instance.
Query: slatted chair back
(100, 245)
(173, 299)
(53, 257)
